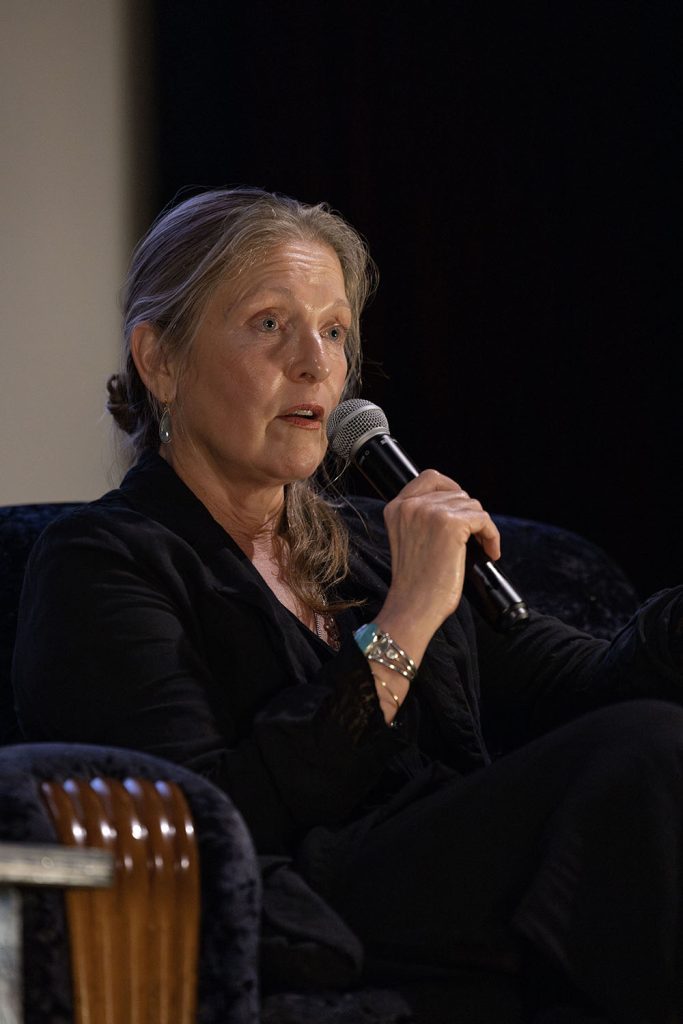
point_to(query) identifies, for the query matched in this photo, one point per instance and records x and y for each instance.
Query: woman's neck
(249, 514)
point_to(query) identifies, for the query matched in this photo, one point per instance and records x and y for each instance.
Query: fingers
(437, 503)
(429, 524)
(427, 481)
(489, 538)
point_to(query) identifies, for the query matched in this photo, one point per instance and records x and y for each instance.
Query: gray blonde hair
(189, 250)
(196, 245)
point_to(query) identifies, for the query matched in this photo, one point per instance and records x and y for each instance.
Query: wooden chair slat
(135, 946)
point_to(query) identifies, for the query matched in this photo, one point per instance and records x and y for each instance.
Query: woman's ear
(151, 363)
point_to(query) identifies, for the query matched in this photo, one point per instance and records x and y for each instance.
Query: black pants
(571, 844)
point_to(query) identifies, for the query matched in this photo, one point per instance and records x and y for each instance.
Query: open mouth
(303, 415)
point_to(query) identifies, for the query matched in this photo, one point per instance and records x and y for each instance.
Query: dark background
(516, 170)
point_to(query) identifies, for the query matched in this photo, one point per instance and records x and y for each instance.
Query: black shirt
(144, 625)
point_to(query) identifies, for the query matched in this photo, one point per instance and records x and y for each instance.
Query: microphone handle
(384, 464)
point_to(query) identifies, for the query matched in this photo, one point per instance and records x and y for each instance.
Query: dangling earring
(165, 425)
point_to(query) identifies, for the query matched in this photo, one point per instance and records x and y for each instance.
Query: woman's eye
(337, 333)
(269, 324)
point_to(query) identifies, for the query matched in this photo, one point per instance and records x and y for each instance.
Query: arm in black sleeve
(547, 672)
(111, 649)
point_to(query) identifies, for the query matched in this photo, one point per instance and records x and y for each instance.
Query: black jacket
(143, 625)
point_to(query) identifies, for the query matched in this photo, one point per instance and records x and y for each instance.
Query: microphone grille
(351, 421)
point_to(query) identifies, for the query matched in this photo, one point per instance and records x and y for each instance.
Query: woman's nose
(310, 361)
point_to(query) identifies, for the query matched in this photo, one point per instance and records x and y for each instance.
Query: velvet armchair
(252, 965)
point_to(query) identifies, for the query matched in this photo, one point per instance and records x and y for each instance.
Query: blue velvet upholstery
(19, 529)
(557, 572)
(563, 574)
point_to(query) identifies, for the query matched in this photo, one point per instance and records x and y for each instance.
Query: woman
(219, 611)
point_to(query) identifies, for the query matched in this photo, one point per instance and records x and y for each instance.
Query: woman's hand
(429, 524)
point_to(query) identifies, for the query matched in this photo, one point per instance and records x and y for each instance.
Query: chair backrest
(561, 573)
(20, 526)
(557, 571)
(134, 946)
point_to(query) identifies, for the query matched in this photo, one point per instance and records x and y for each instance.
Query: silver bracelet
(378, 646)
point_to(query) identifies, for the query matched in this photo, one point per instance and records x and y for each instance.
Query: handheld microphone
(358, 431)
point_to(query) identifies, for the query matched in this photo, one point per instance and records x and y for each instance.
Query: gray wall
(72, 173)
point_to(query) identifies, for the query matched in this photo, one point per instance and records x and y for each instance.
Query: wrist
(380, 648)
(392, 669)
(409, 634)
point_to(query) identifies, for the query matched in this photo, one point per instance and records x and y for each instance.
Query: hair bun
(118, 404)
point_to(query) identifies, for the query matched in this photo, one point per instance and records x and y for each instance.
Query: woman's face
(267, 367)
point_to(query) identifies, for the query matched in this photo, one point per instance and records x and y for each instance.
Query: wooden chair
(134, 946)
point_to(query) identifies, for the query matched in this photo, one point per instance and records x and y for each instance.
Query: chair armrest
(229, 871)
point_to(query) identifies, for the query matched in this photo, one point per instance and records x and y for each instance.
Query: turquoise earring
(165, 426)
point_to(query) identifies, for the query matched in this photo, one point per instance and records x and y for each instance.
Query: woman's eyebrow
(286, 292)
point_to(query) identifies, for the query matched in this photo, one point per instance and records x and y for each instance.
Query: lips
(305, 414)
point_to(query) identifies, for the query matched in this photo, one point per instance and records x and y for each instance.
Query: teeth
(302, 412)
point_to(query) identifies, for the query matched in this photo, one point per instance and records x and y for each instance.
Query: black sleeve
(110, 650)
(547, 672)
